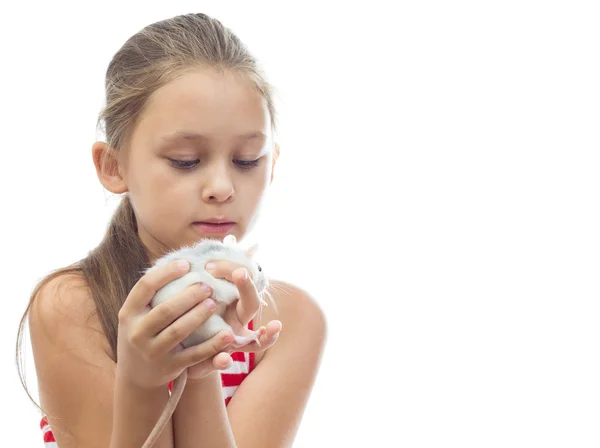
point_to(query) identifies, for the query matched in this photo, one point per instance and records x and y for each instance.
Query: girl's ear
(251, 251)
(276, 152)
(109, 172)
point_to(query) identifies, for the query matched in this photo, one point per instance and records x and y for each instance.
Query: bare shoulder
(300, 314)
(258, 413)
(63, 306)
(304, 330)
(71, 354)
(296, 307)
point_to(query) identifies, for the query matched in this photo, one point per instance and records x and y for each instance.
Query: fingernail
(227, 339)
(245, 277)
(205, 289)
(182, 264)
(209, 303)
(210, 266)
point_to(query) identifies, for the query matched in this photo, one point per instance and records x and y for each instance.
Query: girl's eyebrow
(185, 135)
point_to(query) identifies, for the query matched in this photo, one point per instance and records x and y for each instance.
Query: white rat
(224, 294)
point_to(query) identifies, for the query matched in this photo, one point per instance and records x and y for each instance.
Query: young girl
(189, 123)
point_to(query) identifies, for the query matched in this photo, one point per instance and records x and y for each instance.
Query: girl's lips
(214, 228)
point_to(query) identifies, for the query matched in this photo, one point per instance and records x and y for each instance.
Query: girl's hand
(241, 312)
(148, 345)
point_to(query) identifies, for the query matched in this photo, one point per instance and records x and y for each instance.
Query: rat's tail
(178, 386)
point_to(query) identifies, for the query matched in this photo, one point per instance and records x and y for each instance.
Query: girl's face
(201, 151)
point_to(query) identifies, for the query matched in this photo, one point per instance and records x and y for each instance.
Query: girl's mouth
(214, 228)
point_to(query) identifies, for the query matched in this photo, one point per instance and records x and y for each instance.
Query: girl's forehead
(204, 91)
(206, 104)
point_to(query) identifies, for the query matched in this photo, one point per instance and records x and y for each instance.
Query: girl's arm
(200, 418)
(76, 377)
(266, 409)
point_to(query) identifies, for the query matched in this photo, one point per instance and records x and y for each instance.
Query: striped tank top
(231, 378)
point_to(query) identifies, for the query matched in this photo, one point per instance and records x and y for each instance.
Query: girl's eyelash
(247, 164)
(184, 164)
(189, 164)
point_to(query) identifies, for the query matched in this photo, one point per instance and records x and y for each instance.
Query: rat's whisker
(272, 299)
(269, 295)
(260, 311)
(281, 288)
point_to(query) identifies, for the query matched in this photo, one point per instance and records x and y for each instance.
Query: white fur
(224, 292)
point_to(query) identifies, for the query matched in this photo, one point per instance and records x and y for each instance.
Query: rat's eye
(259, 268)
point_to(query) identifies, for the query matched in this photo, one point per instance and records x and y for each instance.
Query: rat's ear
(251, 251)
(230, 240)
(109, 172)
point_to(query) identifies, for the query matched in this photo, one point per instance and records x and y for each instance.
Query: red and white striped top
(231, 378)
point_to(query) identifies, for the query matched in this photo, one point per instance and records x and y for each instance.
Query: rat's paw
(247, 337)
(241, 341)
(262, 339)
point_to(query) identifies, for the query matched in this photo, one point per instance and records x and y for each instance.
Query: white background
(437, 194)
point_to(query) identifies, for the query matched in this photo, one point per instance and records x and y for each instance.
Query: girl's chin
(201, 231)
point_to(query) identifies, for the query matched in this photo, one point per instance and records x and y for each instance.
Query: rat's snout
(262, 284)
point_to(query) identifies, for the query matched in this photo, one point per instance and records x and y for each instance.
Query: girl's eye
(247, 164)
(188, 164)
(184, 164)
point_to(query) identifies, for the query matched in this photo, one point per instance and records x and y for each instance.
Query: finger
(201, 352)
(163, 315)
(144, 290)
(273, 330)
(222, 269)
(249, 302)
(189, 322)
(220, 361)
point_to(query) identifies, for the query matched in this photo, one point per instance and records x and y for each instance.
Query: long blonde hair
(151, 58)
